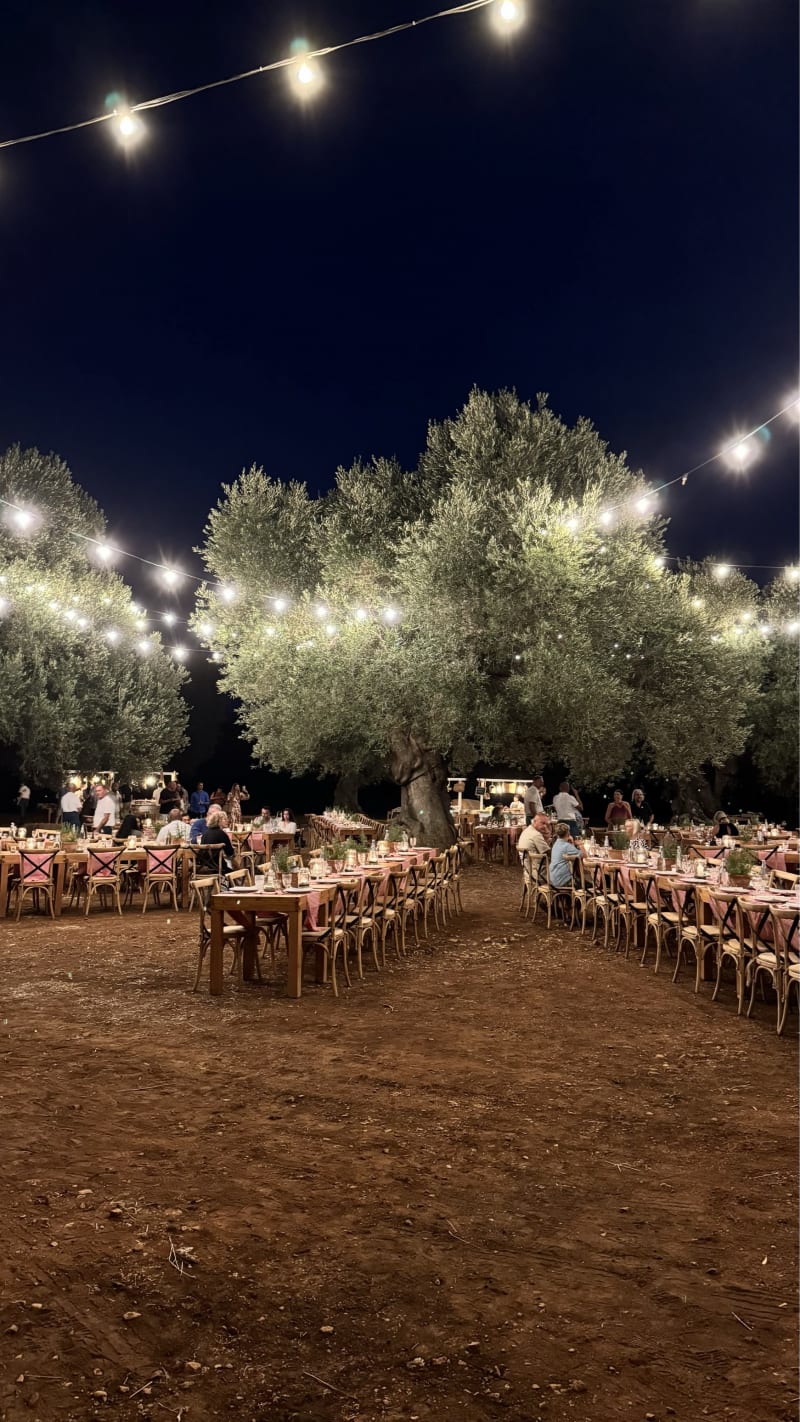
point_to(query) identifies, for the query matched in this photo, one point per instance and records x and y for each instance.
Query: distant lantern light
(792, 627)
(507, 15)
(764, 628)
(54, 606)
(390, 614)
(83, 622)
(697, 602)
(517, 656)
(227, 593)
(572, 525)
(603, 548)
(361, 614)
(331, 629)
(216, 656)
(746, 616)
(722, 570)
(659, 561)
(70, 614)
(321, 610)
(141, 625)
(269, 630)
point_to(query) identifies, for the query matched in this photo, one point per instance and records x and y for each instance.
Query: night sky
(605, 209)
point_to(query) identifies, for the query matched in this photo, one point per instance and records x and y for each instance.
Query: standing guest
(199, 802)
(23, 801)
(89, 802)
(169, 799)
(104, 820)
(233, 807)
(70, 807)
(533, 797)
(183, 796)
(640, 807)
(617, 811)
(564, 849)
(568, 807)
(175, 831)
(218, 798)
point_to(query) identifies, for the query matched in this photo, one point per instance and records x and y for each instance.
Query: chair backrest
(236, 876)
(530, 865)
(161, 863)
(784, 880)
(36, 866)
(784, 934)
(103, 863)
(205, 887)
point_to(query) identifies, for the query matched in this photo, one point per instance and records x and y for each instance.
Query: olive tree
(76, 691)
(506, 600)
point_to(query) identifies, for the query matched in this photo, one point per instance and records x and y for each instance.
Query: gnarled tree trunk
(421, 774)
(345, 796)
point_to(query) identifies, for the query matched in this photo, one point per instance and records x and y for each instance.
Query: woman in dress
(233, 807)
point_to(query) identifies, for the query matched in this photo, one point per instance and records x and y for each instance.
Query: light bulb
(169, 618)
(390, 614)
(128, 128)
(331, 629)
(104, 552)
(206, 629)
(507, 15)
(764, 628)
(70, 614)
(112, 634)
(171, 576)
(23, 519)
(179, 653)
(572, 525)
(606, 518)
(321, 610)
(227, 593)
(269, 630)
(792, 627)
(3, 606)
(305, 78)
(722, 570)
(144, 646)
(793, 574)
(659, 561)
(642, 506)
(697, 602)
(361, 615)
(280, 604)
(742, 453)
(746, 616)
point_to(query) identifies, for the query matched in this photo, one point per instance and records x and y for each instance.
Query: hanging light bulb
(697, 602)
(321, 610)
(722, 570)
(606, 518)
(227, 593)
(206, 629)
(280, 604)
(179, 653)
(572, 525)
(144, 646)
(128, 128)
(742, 453)
(793, 574)
(171, 576)
(269, 630)
(361, 614)
(764, 628)
(169, 618)
(792, 627)
(390, 614)
(304, 75)
(23, 520)
(112, 635)
(643, 506)
(507, 15)
(331, 629)
(104, 552)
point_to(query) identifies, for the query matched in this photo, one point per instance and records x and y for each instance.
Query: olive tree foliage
(531, 625)
(69, 697)
(776, 708)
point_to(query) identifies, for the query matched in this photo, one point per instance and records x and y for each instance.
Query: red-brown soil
(512, 1177)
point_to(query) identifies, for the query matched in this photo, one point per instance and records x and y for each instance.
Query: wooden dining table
(508, 834)
(245, 907)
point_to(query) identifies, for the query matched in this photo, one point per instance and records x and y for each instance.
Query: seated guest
(287, 822)
(175, 831)
(198, 828)
(564, 849)
(723, 826)
(617, 811)
(216, 835)
(533, 842)
(131, 824)
(638, 836)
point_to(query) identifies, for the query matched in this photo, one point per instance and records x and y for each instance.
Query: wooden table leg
(249, 948)
(294, 983)
(185, 861)
(5, 870)
(58, 894)
(215, 954)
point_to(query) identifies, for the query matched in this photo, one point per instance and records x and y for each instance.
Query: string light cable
(509, 14)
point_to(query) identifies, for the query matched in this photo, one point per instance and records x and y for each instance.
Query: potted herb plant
(739, 864)
(619, 842)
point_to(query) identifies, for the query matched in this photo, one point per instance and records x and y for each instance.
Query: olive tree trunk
(345, 796)
(422, 776)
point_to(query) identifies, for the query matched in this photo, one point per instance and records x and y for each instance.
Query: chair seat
(233, 930)
(793, 972)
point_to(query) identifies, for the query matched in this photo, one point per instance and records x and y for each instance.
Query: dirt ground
(512, 1177)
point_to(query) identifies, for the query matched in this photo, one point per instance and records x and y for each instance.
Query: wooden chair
(161, 872)
(103, 876)
(726, 918)
(36, 876)
(662, 918)
(584, 892)
(530, 874)
(785, 931)
(772, 956)
(332, 936)
(233, 934)
(632, 907)
(695, 933)
(605, 901)
(552, 896)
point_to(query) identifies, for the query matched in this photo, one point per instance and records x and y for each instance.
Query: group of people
(172, 796)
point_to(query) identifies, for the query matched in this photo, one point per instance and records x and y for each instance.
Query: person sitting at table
(723, 827)
(215, 834)
(131, 824)
(198, 827)
(564, 849)
(637, 834)
(532, 841)
(617, 811)
(287, 822)
(175, 831)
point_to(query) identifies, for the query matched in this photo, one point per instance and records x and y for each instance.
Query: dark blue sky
(606, 210)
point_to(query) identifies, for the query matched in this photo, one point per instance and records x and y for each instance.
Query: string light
(125, 121)
(792, 627)
(321, 611)
(721, 570)
(112, 634)
(169, 618)
(741, 454)
(280, 604)
(144, 646)
(179, 653)
(331, 629)
(206, 629)
(390, 614)
(508, 15)
(171, 576)
(793, 574)
(227, 593)
(105, 552)
(606, 518)
(360, 614)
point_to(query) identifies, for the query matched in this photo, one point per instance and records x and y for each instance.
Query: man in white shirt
(105, 814)
(24, 801)
(533, 797)
(533, 843)
(569, 808)
(175, 831)
(71, 808)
